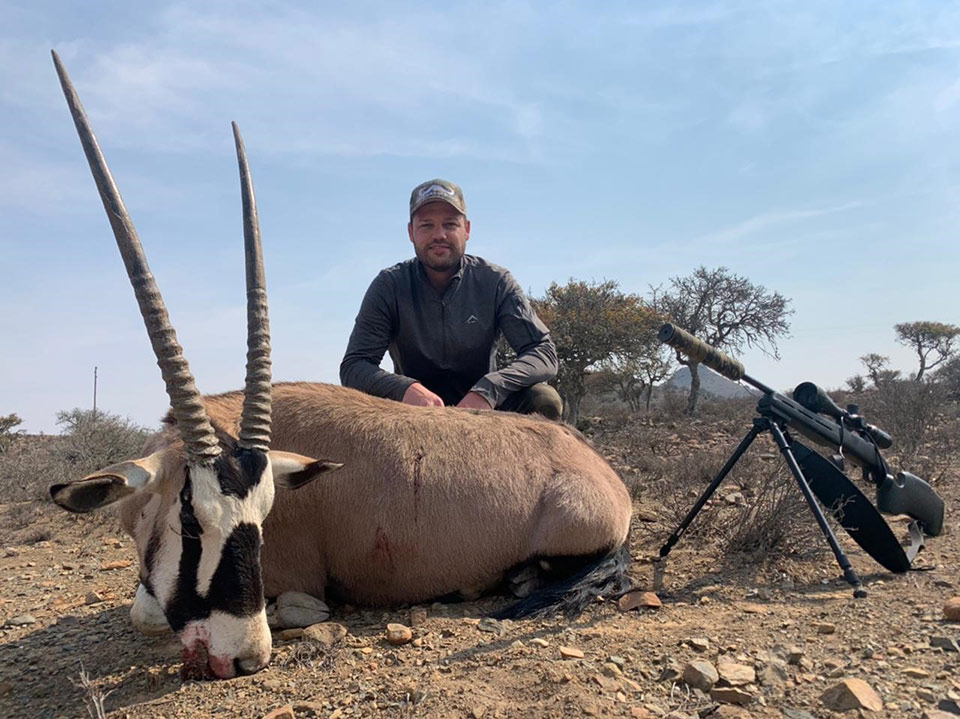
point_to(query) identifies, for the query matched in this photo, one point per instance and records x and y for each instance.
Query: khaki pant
(539, 399)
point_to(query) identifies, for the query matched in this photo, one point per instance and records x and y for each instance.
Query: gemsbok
(428, 501)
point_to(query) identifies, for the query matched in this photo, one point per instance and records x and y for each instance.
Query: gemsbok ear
(107, 485)
(292, 471)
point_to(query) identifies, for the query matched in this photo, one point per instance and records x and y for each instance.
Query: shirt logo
(472, 320)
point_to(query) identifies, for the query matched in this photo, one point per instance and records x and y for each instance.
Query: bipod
(767, 424)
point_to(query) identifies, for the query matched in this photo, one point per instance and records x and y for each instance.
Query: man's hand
(420, 396)
(474, 400)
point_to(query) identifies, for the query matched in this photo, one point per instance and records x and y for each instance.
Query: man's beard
(438, 264)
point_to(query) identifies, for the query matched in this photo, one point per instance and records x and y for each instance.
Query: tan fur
(430, 500)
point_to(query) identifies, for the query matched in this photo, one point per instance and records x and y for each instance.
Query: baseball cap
(437, 190)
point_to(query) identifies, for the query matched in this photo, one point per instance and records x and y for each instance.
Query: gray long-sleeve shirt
(447, 341)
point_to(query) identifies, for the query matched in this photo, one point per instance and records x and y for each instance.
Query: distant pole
(94, 393)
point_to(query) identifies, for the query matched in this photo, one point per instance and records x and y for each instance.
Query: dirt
(791, 618)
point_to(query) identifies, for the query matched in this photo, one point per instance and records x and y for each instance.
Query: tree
(590, 323)
(725, 310)
(634, 374)
(878, 370)
(926, 339)
(95, 439)
(7, 432)
(857, 383)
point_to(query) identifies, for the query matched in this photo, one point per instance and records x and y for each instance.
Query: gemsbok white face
(206, 496)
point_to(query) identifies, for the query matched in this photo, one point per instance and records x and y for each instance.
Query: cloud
(768, 220)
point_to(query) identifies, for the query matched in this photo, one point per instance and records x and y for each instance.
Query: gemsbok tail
(604, 576)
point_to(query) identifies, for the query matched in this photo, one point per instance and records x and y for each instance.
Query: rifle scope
(816, 400)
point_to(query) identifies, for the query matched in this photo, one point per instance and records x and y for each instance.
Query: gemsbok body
(427, 501)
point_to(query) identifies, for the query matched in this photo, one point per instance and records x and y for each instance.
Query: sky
(813, 147)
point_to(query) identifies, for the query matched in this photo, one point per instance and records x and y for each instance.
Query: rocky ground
(734, 636)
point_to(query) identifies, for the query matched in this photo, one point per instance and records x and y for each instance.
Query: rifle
(813, 414)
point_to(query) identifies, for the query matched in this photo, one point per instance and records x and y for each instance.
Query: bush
(89, 441)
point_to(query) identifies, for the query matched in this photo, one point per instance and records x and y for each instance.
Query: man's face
(439, 235)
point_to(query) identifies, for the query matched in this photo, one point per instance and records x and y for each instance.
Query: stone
(324, 633)
(285, 635)
(700, 674)
(951, 609)
(93, 598)
(825, 628)
(915, 673)
(736, 675)
(947, 644)
(284, 712)
(571, 653)
(21, 620)
(298, 609)
(118, 564)
(539, 642)
(698, 644)
(611, 670)
(418, 616)
(488, 624)
(794, 655)
(937, 714)
(794, 713)
(731, 695)
(398, 634)
(851, 694)
(639, 600)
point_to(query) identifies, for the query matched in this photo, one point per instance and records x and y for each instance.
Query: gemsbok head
(212, 490)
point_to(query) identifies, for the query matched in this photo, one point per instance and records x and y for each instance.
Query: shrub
(89, 441)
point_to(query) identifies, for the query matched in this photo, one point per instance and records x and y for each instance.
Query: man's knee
(539, 399)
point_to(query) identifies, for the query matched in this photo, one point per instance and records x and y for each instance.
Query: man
(439, 315)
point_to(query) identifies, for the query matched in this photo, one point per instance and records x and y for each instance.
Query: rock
(726, 711)
(851, 694)
(825, 628)
(119, 564)
(641, 713)
(93, 598)
(398, 634)
(478, 712)
(951, 609)
(948, 644)
(297, 609)
(418, 615)
(490, 625)
(937, 714)
(794, 655)
(792, 713)
(700, 674)
(698, 644)
(325, 633)
(571, 653)
(915, 673)
(285, 635)
(610, 669)
(284, 712)
(736, 675)
(949, 705)
(671, 672)
(731, 695)
(639, 600)
(539, 642)
(21, 620)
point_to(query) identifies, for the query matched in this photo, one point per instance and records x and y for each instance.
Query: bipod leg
(708, 492)
(848, 572)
